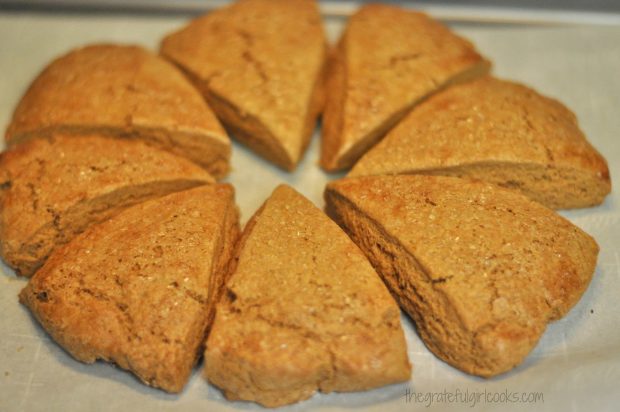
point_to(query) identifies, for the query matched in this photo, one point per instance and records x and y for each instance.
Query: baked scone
(139, 289)
(500, 132)
(52, 189)
(480, 269)
(387, 60)
(303, 311)
(122, 91)
(260, 64)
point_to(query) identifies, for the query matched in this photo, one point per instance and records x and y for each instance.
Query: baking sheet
(576, 365)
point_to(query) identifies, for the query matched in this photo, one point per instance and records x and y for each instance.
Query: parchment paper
(576, 365)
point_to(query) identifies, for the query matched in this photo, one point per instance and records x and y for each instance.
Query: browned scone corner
(388, 60)
(53, 189)
(260, 64)
(139, 289)
(303, 311)
(500, 132)
(122, 91)
(480, 269)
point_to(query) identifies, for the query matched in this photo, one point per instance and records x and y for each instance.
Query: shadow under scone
(479, 268)
(303, 311)
(139, 290)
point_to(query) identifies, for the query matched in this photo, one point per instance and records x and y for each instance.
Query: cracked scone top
(52, 189)
(260, 65)
(122, 91)
(139, 289)
(500, 132)
(303, 311)
(480, 269)
(387, 60)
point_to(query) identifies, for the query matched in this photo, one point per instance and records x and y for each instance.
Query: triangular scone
(52, 189)
(387, 60)
(500, 132)
(481, 269)
(260, 64)
(122, 91)
(140, 289)
(303, 311)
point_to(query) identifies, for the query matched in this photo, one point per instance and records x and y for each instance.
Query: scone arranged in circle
(387, 60)
(500, 132)
(139, 289)
(52, 189)
(480, 269)
(303, 311)
(122, 91)
(260, 64)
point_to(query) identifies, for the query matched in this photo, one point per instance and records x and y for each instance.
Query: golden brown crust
(500, 132)
(481, 269)
(387, 60)
(137, 290)
(260, 65)
(303, 311)
(122, 91)
(52, 189)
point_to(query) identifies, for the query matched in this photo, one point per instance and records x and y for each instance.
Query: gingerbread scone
(500, 132)
(303, 311)
(388, 60)
(482, 270)
(260, 64)
(52, 189)
(139, 289)
(127, 92)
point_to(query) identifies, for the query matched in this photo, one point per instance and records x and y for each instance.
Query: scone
(260, 65)
(122, 91)
(387, 60)
(52, 189)
(303, 311)
(480, 269)
(500, 132)
(139, 289)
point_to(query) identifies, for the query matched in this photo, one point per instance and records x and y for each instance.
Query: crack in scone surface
(312, 291)
(494, 283)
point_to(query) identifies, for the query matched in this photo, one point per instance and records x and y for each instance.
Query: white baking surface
(576, 365)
